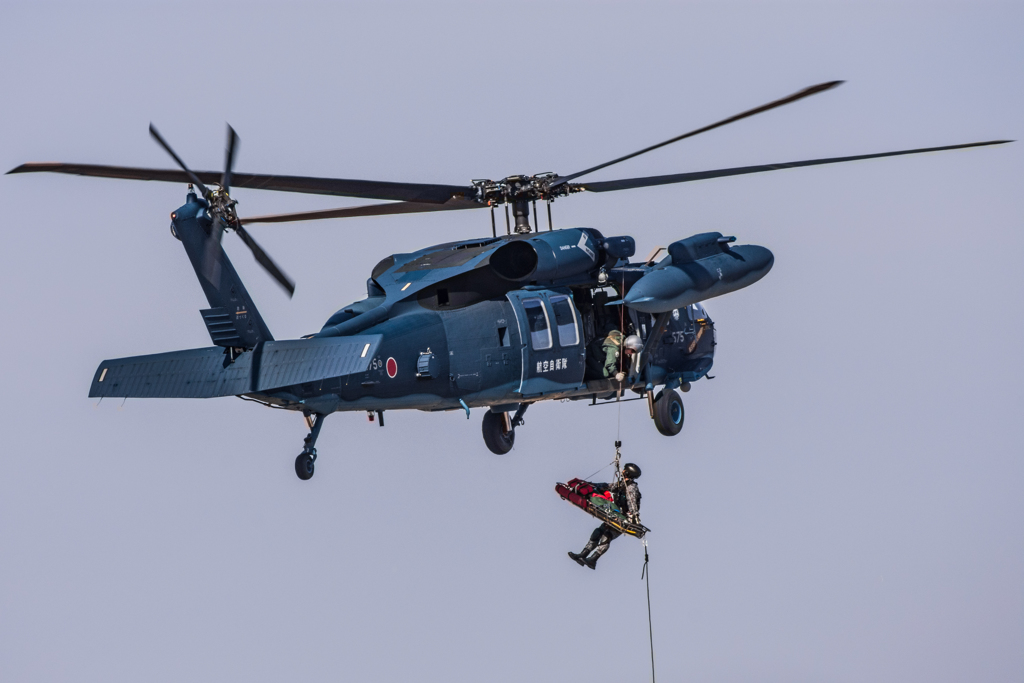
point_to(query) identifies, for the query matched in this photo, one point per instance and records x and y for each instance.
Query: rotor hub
(222, 205)
(520, 188)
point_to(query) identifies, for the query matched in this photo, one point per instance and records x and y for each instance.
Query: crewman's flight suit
(603, 360)
(627, 498)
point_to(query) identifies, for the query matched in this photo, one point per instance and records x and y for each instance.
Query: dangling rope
(650, 628)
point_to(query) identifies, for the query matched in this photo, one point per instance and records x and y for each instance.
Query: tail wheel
(668, 412)
(499, 435)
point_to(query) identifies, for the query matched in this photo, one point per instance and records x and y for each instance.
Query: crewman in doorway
(627, 498)
(631, 347)
(603, 359)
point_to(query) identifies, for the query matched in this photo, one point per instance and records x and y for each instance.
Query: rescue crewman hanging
(626, 494)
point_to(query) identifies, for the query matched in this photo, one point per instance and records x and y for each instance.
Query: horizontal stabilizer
(210, 372)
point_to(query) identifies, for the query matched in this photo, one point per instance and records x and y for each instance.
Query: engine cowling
(553, 256)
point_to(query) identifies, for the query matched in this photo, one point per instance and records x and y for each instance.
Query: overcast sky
(843, 504)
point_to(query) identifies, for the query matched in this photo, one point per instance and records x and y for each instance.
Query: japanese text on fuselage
(552, 365)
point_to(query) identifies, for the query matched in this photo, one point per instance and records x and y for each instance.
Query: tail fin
(232, 318)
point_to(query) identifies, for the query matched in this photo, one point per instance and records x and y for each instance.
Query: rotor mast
(521, 212)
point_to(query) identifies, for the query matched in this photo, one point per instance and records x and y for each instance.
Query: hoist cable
(645, 574)
(618, 416)
(622, 357)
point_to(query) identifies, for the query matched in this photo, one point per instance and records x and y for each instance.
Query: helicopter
(499, 322)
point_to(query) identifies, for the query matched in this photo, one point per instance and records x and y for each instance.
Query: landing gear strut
(304, 461)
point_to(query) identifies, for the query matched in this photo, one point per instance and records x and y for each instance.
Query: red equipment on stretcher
(598, 502)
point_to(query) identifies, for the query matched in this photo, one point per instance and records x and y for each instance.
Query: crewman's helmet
(633, 343)
(630, 470)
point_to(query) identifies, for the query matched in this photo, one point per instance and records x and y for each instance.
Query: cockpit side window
(537, 321)
(565, 321)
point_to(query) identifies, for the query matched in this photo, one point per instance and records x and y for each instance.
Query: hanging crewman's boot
(581, 557)
(602, 548)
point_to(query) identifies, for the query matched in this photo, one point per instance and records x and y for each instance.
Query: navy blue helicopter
(498, 323)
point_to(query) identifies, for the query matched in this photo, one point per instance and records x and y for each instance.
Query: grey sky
(844, 503)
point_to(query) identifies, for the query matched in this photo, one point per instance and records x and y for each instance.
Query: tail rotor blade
(229, 158)
(265, 261)
(167, 148)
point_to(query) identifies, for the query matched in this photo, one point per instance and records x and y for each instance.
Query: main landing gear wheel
(499, 435)
(304, 466)
(668, 412)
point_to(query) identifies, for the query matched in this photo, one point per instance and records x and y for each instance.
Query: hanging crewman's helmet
(630, 470)
(633, 343)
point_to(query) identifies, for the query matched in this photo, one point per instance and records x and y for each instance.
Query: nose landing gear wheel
(304, 466)
(668, 412)
(499, 435)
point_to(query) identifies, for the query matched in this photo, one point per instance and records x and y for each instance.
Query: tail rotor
(223, 216)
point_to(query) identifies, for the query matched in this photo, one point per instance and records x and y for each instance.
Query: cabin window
(503, 339)
(442, 297)
(565, 321)
(537, 321)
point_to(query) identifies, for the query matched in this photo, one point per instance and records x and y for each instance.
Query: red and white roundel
(392, 367)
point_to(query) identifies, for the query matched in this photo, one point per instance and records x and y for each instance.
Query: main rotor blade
(806, 92)
(630, 183)
(339, 187)
(229, 159)
(265, 261)
(369, 210)
(192, 176)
